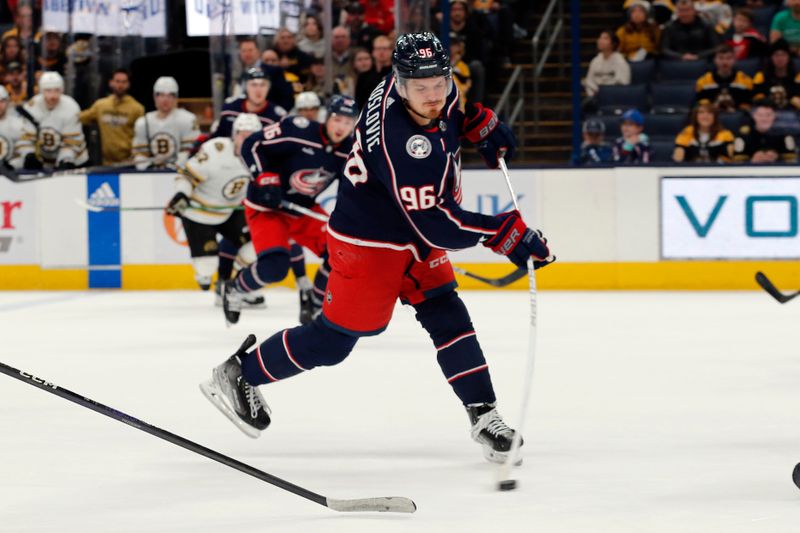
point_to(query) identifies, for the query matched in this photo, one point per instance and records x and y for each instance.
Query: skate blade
(498, 457)
(216, 397)
(255, 305)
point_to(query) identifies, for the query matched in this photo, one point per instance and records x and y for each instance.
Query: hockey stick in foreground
(772, 290)
(504, 475)
(390, 504)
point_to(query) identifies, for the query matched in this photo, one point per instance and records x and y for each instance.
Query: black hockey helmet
(344, 106)
(255, 73)
(420, 55)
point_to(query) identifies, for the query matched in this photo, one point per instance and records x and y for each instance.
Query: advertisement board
(236, 17)
(18, 227)
(730, 217)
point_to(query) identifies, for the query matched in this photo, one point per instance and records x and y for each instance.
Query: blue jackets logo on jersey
(310, 182)
(418, 147)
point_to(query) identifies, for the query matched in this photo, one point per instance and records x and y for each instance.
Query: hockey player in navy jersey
(397, 214)
(294, 160)
(256, 90)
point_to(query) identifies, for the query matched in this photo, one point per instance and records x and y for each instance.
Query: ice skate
(239, 401)
(254, 300)
(307, 308)
(489, 430)
(232, 301)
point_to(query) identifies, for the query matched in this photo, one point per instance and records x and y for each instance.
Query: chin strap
(431, 124)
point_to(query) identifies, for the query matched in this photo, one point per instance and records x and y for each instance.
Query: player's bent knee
(273, 266)
(444, 317)
(320, 345)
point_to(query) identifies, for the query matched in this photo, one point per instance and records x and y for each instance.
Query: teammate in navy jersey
(294, 160)
(256, 90)
(397, 213)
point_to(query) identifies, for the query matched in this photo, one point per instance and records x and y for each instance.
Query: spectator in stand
(594, 149)
(634, 145)
(744, 38)
(726, 87)
(115, 116)
(341, 54)
(361, 61)
(461, 75)
(716, 13)
(663, 11)
(290, 57)
(705, 140)
(23, 25)
(786, 25)
(281, 92)
(60, 142)
(763, 143)
(476, 53)
(11, 50)
(315, 82)
(379, 14)
(608, 67)
(15, 83)
(639, 37)
(361, 33)
(688, 37)
(778, 81)
(312, 41)
(382, 65)
(498, 20)
(52, 55)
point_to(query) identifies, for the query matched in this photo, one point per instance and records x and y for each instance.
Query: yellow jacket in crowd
(115, 118)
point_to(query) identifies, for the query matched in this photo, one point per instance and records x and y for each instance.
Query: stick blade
(391, 504)
(771, 289)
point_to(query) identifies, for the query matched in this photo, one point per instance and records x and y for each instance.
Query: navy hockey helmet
(420, 55)
(255, 73)
(344, 106)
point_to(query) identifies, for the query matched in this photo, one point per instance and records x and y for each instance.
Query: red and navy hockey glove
(493, 139)
(518, 242)
(266, 190)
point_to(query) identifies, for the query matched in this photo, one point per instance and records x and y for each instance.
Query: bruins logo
(5, 148)
(163, 145)
(235, 188)
(49, 140)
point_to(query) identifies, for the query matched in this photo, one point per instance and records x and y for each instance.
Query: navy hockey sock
(272, 266)
(298, 260)
(227, 256)
(320, 283)
(291, 351)
(460, 357)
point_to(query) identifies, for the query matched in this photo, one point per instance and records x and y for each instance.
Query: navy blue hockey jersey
(269, 114)
(297, 150)
(403, 186)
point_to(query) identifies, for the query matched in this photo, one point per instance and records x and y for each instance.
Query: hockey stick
(772, 290)
(16, 177)
(494, 282)
(200, 207)
(386, 504)
(290, 206)
(504, 474)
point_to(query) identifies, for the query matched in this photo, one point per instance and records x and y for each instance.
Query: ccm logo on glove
(268, 178)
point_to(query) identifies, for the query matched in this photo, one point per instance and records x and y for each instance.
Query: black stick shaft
(160, 433)
(498, 282)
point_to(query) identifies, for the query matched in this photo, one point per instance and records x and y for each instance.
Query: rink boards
(611, 228)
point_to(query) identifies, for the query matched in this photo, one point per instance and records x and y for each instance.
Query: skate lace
(497, 427)
(253, 400)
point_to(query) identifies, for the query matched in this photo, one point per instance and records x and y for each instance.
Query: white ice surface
(652, 412)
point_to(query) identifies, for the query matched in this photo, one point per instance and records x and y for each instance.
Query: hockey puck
(511, 484)
(796, 475)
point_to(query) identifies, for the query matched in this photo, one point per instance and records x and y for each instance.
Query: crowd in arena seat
(361, 40)
(708, 81)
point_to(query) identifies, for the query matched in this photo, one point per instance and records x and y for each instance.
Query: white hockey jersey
(166, 139)
(17, 138)
(59, 135)
(215, 176)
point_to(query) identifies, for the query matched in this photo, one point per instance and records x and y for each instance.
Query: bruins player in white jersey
(59, 136)
(17, 135)
(215, 177)
(164, 137)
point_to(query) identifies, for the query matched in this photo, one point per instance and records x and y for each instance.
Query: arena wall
(645, 228)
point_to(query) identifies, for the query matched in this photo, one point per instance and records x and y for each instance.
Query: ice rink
(652, 412)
